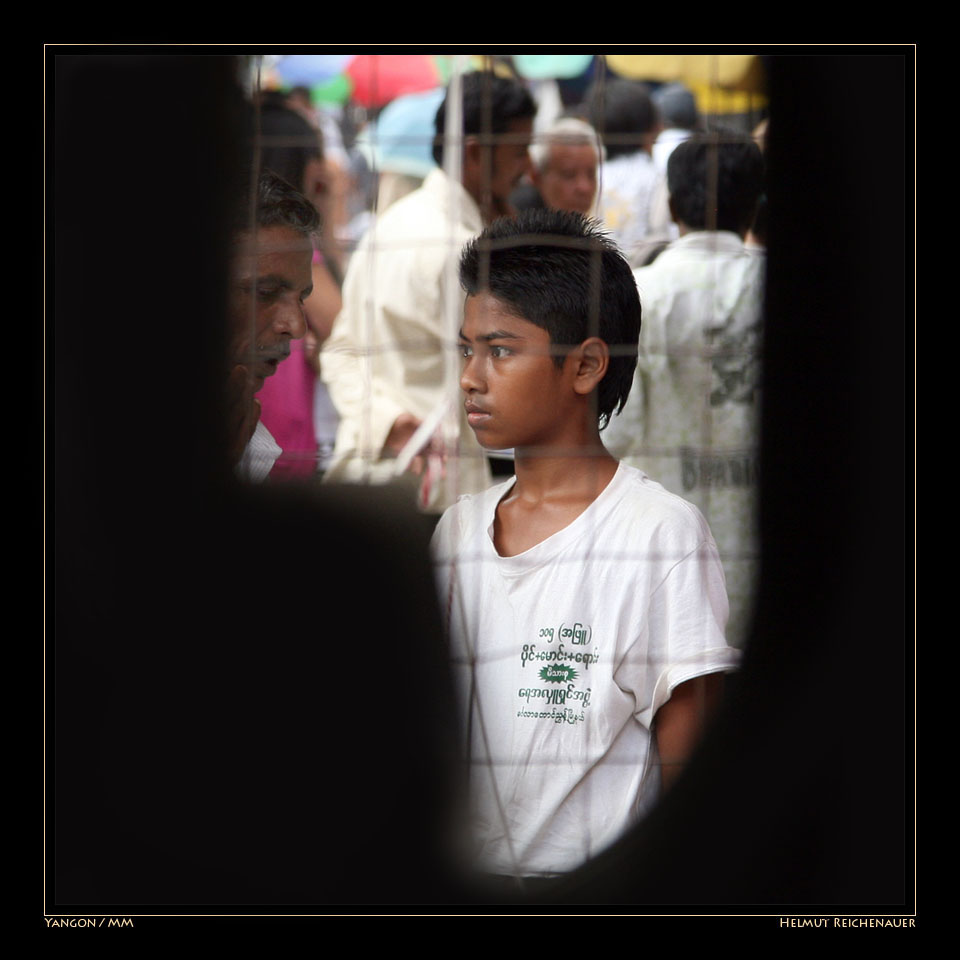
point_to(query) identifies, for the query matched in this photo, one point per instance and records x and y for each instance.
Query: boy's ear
(591, 361)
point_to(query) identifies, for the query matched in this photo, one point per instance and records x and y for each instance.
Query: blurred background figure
(384, 362)
(398, 145)
(295, 406)
(678, 112)
(564, 175)
(691, 421)
(299, 99)
(757, 234)
(633, 194)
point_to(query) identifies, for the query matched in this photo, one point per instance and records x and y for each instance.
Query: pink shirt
(286, 401)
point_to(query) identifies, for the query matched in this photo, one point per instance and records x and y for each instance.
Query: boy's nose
(470, 379)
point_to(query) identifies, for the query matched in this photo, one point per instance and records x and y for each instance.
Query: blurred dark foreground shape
(250, 692)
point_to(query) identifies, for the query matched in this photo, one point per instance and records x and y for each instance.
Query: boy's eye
(466, 350)
(498, 353)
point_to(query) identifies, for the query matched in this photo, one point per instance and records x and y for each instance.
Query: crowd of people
(609, 262)
(383, 324)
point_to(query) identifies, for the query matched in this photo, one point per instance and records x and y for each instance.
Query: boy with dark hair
(585, 604)
(728, 167)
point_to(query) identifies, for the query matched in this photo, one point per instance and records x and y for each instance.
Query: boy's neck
(553, 488)
(558, 474)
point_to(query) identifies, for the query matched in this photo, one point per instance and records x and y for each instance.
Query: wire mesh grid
(556, 647)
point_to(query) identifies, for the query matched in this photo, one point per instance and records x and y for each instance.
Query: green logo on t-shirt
(558, 673)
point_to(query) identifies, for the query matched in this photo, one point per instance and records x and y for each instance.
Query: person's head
(271, 277)
(625, 116)
(290, 147)
(547, 284)
(497, 123)
(677, 106)
(565, 161)
(300, 98)
(715, 181)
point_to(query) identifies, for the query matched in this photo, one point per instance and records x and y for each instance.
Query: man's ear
(472, 154)
(473, 176)
(591, 361)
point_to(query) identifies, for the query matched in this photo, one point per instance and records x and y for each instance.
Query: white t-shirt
(563, 655)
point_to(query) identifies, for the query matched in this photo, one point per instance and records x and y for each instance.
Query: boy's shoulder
(649, 508)
(634, 508)
(466, 518)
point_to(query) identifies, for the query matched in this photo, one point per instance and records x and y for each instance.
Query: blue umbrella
(310, 69)
(401, 141)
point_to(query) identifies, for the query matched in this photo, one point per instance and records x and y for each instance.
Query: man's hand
(243, 411)
(404, 427)
(431, 455)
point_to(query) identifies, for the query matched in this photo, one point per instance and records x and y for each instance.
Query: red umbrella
(380, 78)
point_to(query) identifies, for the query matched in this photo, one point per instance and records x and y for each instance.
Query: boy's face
(516, 396)
(271, 279)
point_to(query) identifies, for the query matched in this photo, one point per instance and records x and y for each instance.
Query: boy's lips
(476, 414)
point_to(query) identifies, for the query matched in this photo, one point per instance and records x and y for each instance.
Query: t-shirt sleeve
(683, 635)
(442, 543)
(445, 548)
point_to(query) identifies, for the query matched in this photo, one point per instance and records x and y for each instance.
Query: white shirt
(691, 419)
(666, 143)
(385, 355)
(633, 204)
(259, 456)
(567, 651)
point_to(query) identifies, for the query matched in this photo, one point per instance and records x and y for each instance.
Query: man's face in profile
(271, 278)
(510, 159)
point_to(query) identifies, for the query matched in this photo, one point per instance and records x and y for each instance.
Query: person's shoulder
(696, 261)
(465, 519)
(478, 505)
(403, 214)
(405, 243)
(418, 225)
(657, 512)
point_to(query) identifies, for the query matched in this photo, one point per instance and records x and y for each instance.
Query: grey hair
(567, 131)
